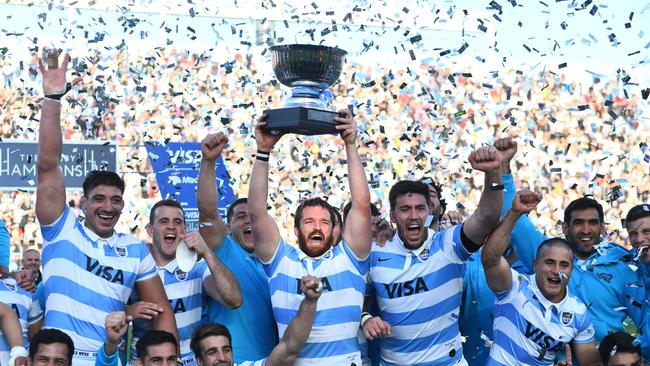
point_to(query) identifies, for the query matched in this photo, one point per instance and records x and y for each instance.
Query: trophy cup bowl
(308, 70)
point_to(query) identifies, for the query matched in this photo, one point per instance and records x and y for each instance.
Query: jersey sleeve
(362, 266)
(147, 267)
(452, 243)
(63, 224)
(271, 266)
(517, 281)
(585, 330)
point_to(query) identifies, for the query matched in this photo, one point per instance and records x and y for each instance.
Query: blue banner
(177, 165)
(78, 158)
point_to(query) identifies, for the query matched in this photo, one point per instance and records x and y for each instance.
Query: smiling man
(88, 268)
(251, 323)
(417, 276)
(604, 274)
(186, 291)
(535, 316)
(342, 268)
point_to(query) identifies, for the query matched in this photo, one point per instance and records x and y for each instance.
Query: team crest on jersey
(121, 251)
(180, 275)
(424, 255)
(566, 317)
(328, 254)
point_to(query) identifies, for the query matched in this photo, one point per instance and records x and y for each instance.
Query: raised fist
(525, 201)
(485, 159)
(507, 147)
(311, 287)
(212, 145)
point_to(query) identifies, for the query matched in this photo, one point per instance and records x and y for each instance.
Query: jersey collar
(110, 241)
(169, 267)
(399, 244)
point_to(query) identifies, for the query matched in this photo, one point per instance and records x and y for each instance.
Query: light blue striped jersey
(419, 293)
(86, 277)
(333, 338)
(252, 363)
(530, 330)
(185, 294)
(27, 309)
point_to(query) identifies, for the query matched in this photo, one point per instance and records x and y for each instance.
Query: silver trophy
(308, 70)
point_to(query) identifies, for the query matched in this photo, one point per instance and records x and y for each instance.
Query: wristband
(364, 318)
(263, 155)
(58, 96)
(18, 351)
(497, 187)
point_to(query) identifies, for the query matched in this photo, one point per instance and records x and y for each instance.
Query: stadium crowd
(576, 138)
(168, 94)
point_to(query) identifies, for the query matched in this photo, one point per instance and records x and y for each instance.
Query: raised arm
(151, 290)
(357, 233)
(265, 229)
(507, 147)
(221, 285)
(297, 333)
(496, 267)
(211, 226)
(11, 330)
(50, 188)
(116, 325)
(486, 217)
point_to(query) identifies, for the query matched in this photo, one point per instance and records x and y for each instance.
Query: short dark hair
(165, 202)
(554, 242)
(407, 186)
(614, 343)
(438, 188)
(583, 203)
(206, 331)
(102, 178)
(153, 338)
(49, 336)
(313, 202)
(637, 212)
(231, 208)
(374, 211)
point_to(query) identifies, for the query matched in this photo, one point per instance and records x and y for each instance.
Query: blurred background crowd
(579, 133)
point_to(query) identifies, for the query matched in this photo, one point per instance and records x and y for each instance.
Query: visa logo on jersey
(406, 288)
(108, 273)
(545, 341)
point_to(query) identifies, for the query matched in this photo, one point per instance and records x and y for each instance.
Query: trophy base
(302, 121)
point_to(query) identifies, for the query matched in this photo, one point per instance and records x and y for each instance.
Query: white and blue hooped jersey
(86, 277)
(333, 338)
(26, 308)
(419, 294)
(530, 330)
(185, 293)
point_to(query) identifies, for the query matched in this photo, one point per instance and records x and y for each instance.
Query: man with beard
(535, 316)
(341, 268)
(637, 223)
(212, 344)
(88, 268)
(603, 277)
(185, 290)
(417, 276)
(252, 323)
